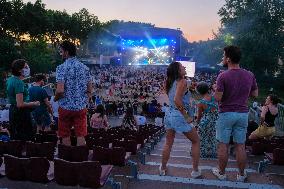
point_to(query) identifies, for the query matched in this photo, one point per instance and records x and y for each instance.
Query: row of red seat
(35, 169)
(75, 158)
(272, 149)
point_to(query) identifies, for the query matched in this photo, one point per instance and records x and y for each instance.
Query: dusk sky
(196, 18)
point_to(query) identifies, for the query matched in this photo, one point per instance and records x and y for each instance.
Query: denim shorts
(174, 120)
(232, 124)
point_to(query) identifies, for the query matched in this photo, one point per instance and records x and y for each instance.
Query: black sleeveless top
(269, 118)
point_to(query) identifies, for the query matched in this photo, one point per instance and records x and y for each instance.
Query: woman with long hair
(21, 127)
(129, 121)
(177, 118)
(269, 112)
(99, 119)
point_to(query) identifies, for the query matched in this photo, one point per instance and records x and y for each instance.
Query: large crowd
(210, 110)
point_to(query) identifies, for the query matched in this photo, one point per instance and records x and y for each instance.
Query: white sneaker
(195, 174)
(241, 178)
(216, 172)
(162, 172)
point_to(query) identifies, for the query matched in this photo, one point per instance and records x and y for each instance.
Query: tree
(38, 55)
(8, 52)
(5, 12)
(35, 19)
(257, 26)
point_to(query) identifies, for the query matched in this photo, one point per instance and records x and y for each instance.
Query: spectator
(99, 119)
(206, 119)
(73, 91)
(177, 119)
(234, 87)
(20, 120)
(269, 112)
(129, 121)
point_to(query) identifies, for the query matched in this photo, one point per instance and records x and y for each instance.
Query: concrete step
(178, 170)
(168, 182)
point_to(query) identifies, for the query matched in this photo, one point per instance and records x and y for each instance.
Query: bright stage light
(150, 51)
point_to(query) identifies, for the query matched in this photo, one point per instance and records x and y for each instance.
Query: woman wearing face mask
(20, 110)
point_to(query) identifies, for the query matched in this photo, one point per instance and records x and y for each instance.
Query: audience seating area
(42, 160)
(272, 150)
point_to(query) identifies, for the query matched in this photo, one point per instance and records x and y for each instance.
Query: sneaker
(216, 172)
(241, 178)
(162, 172)
(195, 174)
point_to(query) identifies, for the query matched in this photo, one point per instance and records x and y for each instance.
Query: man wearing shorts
(73, 91)
(234, 87)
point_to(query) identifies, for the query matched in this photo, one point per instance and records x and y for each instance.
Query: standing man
(234, 87)
(42, 113)
(73, 91)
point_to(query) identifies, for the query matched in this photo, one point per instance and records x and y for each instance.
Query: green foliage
(258, 28)
(33, 27)
(38, 55)
(8, 52)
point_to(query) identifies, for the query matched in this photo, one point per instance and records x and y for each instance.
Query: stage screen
(149, 51)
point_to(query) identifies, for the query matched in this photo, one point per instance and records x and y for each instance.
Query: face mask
(26, 72)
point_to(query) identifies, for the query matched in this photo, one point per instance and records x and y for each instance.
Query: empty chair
(14, 148)
(90, 141)
(1, 162)
(258, 148)
(73, 153)
(36, 169)
(118, 156)
(102, 142)
(45, 149)
(118, 143)
(15, 167)
(270, 147)
(86, 174)
(101, 154)
(90, 173)
(278, 156)
(2, 148)
(65, 172)
(131, 146)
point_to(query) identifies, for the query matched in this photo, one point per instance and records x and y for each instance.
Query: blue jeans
(232, 124)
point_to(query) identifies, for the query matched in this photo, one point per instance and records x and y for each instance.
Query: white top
(55, 106)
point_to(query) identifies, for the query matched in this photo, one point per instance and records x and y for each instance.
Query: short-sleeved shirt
(37, 93)
(75, 77)
(236, 85)
(16, 86)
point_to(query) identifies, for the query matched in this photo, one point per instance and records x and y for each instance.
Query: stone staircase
(180, 166)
